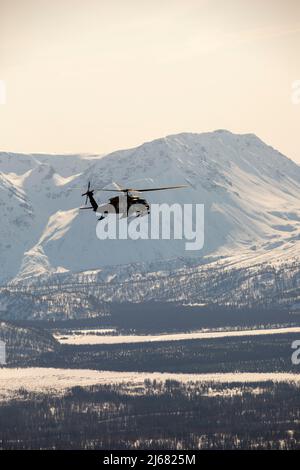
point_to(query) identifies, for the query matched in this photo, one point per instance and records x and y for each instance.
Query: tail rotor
(87, 193)
(89, 196)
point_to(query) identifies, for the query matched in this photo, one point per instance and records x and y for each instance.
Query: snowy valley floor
(104, 388)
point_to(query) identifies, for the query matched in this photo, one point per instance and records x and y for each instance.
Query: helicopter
(128, 200)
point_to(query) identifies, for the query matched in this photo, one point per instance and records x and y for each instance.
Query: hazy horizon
(98, 76)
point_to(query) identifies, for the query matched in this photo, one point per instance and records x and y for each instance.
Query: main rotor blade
(133, 190)
(158, 189)
(112, 190)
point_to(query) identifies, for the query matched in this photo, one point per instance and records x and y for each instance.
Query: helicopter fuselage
(125, 205)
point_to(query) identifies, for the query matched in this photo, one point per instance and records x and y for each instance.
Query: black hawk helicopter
(128, 200)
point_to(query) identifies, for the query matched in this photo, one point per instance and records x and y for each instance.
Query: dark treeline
(152, 317)
(158, 316)
(266, 353)
(156, 416)
(24, 345)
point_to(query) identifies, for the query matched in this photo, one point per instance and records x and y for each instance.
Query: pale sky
(95, 76)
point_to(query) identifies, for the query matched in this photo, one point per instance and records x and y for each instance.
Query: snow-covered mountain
(250, 192)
